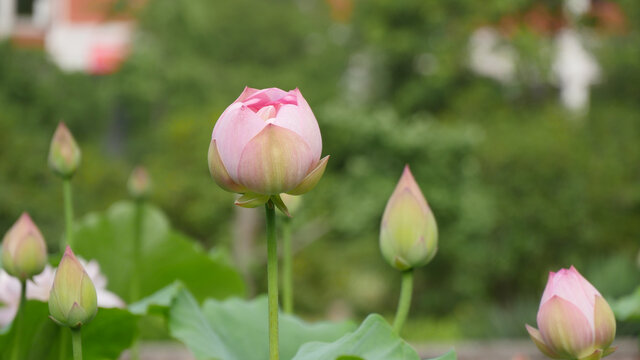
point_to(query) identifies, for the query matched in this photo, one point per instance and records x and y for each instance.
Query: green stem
(287, 267)
(19, 319)
(135, 275)
(76, 340)
(68, 214)
(404, 303)
(137, 252)
(66, 240)
(64, 343)
(272, 275)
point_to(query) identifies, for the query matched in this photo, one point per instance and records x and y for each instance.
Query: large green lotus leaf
(628, 307)
(374, 340)
(237, 329)
(111, 332)
(167, 255)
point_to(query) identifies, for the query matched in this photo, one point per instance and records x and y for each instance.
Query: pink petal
(246, 93)
(274, 161)
(300, 119)
(565, 329)
(235, 128)
(605, 323)
(571, 286)
(258, 99)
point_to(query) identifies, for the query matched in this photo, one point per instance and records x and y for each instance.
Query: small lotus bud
(24, 252)
(64, 153)
(292, 202)
(408, 232)
(575, 321)
(139, 183)
(73, 301)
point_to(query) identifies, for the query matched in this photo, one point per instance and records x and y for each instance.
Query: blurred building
(79, 35)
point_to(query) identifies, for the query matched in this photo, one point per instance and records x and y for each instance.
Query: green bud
(64, 153)
(408, 232)
(24, 252)
(139, 183)
(73, 301)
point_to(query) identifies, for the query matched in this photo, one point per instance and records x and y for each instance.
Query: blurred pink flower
(266, 143)
(40, 287)
(575, 321)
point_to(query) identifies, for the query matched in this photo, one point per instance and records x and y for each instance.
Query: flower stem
(76, 340)
(18, 322)
(272, 275)
(68, 214)
(287, 267)
(64, 241)
(404, 303)
(135, 275)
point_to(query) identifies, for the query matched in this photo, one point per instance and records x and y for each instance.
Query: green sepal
(251, 200)
(608, 351)
(597, 355)
(277, 201)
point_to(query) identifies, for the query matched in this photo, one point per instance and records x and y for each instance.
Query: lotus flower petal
(274, 161)
(235, 128)
(605, 323)
(565, 329)
(300, 119)
(537, 339)
(312, 179)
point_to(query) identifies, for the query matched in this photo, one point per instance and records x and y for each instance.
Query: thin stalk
(135, 275)
(272, 275)
(64, 343)
(76, 340)
(68, 214)
(66, 240)
(18, 321)
(404, 303)
(287, 267)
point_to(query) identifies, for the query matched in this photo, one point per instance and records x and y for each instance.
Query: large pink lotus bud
(408, 232)
(24, 252)
(64, 153)
(575, 321)
(266, 143)
(73, 301)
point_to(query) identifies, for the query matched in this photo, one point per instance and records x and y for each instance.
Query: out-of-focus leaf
(160, 300)
(374, 340)
(167, 255)
(628, 307)
(237, 329)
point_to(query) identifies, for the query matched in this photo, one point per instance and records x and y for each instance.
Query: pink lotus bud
(575, 321)
(64, 153)
(139, 183)
(73, 301)
(24, 252)
(408, 233)
(266, 143)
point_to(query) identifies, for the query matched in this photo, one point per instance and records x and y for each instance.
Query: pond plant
(266, 147)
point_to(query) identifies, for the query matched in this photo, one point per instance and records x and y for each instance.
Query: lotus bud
(64, 153)
(574, 320)
(24, 252)
(139, 183)
(73, 301)
(408, 232)
(265, 143)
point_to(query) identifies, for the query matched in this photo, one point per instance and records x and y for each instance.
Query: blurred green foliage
(519, 185)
